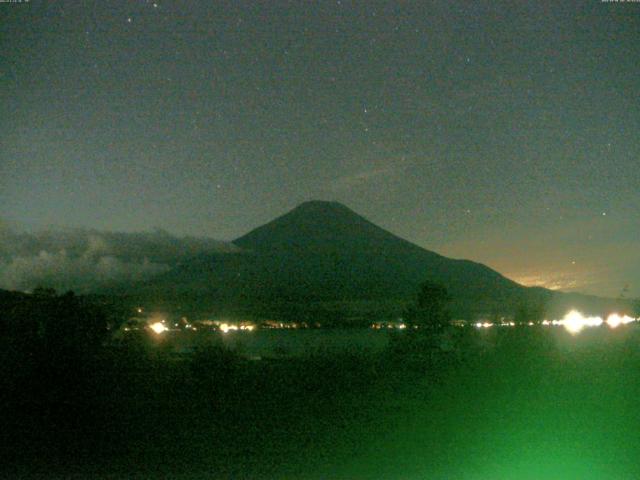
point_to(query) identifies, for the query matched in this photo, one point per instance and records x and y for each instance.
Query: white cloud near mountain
(83, 260)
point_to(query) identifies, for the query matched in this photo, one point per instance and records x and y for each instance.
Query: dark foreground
(530, 404)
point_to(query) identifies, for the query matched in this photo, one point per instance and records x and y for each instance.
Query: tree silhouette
(527, 312)
(430, 311)
(44, 292)
(50, 341)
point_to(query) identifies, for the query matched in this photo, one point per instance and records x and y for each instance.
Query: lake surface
(305, 342)
(282, 342)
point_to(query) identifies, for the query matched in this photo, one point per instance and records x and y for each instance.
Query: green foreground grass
(515, 404)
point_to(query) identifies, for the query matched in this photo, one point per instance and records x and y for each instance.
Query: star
(129, 20)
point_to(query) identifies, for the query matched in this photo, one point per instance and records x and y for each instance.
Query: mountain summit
(321, 226)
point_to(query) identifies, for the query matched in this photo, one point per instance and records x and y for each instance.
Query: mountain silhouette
(325, 252)
(339, 254)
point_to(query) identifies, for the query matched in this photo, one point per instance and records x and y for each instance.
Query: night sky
(506, 133)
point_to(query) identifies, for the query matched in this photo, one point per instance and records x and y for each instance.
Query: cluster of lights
(160, 327)
(390, 326)
(573, 322)
(614, 320)
(484, 324)
(226, 327)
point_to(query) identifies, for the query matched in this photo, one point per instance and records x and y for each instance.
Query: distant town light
(574, 321)
(614, 320)
(158, 327)
(484, 325)
(225, 327)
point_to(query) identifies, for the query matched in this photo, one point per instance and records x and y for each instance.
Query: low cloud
(86, 260)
